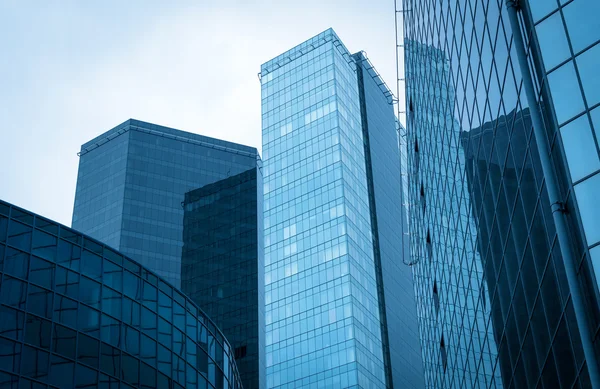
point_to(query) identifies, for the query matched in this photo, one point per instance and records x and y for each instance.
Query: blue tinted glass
(11, 322)
(44, 245)
(131, 285)
(111, 302)
(19, 235)
(13, 292)
(148, 351)
(89, 320)
(67, 282)
(588, 70)
(90, 292)
(65, 311)
(91, 265)
(62, 372)
(587, 199)
(580, 148)
(110, 331)
(38, 332)
(16, 263)
(113, 275)
(35, 363)
(565, 92)
(553, 41)
(583, 23)
(88, 350)
(41, 272)
(110, 360)
(64, 341)
(131, 340)
(85, 377)
(39, 301)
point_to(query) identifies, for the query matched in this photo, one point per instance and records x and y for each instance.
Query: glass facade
(495, 308)
(222, 265)
(324, 288)
(132, 181)
(74, 313)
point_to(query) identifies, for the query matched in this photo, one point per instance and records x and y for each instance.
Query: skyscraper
(340, 308)
(501, 104)
(223, 268)
(132, 182)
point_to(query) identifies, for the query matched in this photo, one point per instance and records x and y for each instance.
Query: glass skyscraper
(132, 181)
(222, 265)
(340, 309)
(502, 156)
(75, 313)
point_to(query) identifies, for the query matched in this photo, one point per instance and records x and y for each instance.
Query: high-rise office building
(75, 313)
(503, 157)
(132, 182)
(167, 197)
(222, 264)
(340, 309)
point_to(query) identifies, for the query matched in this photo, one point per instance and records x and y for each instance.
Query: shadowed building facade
(222, 264)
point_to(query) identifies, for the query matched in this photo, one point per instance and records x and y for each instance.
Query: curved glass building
(76, 314)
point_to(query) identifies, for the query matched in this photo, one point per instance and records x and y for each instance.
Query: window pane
(586, 193)
(16, 263)
(113, 275)
(62, 372)
(68, 254)
(130, 369)
(38, 332)
(90, 292)
(85, 377)
(553, 41)
(10, 355)
(44, 245)
(583, 23)
(131, 340)
(580, 148)
(89, 321)
(19, 235)
(91, 265)
(67, 282)
(110, 360)
(35, 363)
(13, 292)
(110, 331)
(64, 341)
(41, 272)
(565, 92)
(88, 350)
(11, 324)
(39, 301)
(588, 70)
(65, 311)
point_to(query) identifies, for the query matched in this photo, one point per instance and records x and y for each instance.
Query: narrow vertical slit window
(444, 353)
(436, 299)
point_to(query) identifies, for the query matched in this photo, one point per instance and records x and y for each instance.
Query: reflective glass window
(16, 263)
(39, 301)
(583, 23)
(131, 340)
(12, 322)
(148, 324)
(130, 369)
(41, 272)
(67, 282)
(89, 320)
(113, 275)
(566, 94)
(85, 377)
(10, 354)
(91, 265)
(131, 312)
(147, 376)
(35, 363)
(19, 235)
(88, 350)
(148, 350)
(131, 286)
(62, 372)
(553, 41)
(580, 148)
(44, 245)
(13, 292)
(64, 341)
(38, 332)
(588, 70)
(111, 302)
(587, 199)
(110, 360)
(69, 254)
(110, 331)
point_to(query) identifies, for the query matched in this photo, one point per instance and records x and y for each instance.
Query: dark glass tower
(133, 179)
(340, 309)
(503, 159)
(75, 313)
(222, 264)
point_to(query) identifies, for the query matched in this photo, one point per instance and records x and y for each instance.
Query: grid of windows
(76, 314)
(222, 265)
(322, 312)
(132, 181)
(483, 233)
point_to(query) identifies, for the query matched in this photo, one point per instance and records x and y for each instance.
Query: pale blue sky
(70, 70)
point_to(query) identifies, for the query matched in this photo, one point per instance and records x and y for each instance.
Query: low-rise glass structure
(75, 313)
